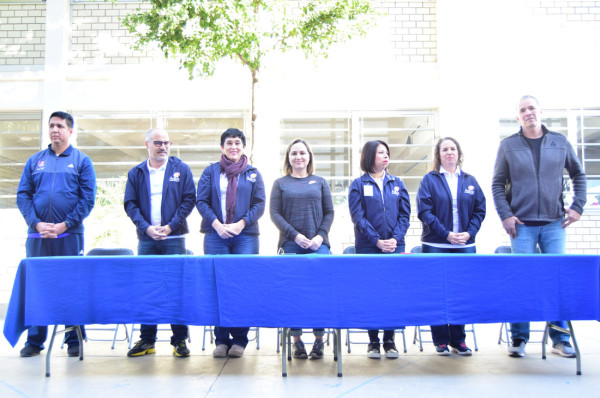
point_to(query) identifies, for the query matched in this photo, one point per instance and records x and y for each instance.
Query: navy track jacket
(178, 197)
(434, 206)
(59, 188)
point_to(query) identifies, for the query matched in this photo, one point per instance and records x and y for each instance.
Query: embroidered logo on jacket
(71, 166)
(175, 177)
(251, 177)
(396, 191)
(470, 190)
(41, 164)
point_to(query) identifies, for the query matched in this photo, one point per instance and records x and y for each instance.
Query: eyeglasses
(158, 144)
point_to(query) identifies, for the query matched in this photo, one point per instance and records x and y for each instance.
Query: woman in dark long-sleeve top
(302, 209)
(451, 207)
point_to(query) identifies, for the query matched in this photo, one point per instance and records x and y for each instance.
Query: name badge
(368, 190)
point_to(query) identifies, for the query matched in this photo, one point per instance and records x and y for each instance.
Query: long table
(350, 291)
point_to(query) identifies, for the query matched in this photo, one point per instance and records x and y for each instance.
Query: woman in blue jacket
(380, 210)
(231, 199)
(451, 206)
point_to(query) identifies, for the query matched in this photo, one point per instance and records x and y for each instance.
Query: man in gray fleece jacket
(528, 194)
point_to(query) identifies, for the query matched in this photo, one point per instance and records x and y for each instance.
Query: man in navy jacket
(56, 193)
(159, 195)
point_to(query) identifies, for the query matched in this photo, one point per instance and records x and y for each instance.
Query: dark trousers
(162, 247)
(70, 245)
(452, 335)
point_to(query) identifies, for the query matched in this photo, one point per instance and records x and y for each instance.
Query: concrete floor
(490, 372)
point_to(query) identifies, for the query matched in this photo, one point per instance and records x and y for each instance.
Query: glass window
(20, 135)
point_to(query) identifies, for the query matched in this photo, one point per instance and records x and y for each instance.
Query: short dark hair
(234, 133)
(437, 160)
(368, 153)
(64, 116)
(287, 167)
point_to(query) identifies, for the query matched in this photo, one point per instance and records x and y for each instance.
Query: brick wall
(567, 13)
(584, 236)
(22, 34)
(413, 28)
(98, 37)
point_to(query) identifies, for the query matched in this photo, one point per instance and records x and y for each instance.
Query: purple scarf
(232, 171)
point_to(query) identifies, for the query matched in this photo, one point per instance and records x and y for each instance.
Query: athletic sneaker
(299, 350)
(517, 348)
(442, 350)
(564, 349)
(317, 350)
(462, 349)
(236, 351)
(30, 351)
(390, 350)
(141, 348)
(73, 350)
(180, 349)
(373, 351)
(220, 351)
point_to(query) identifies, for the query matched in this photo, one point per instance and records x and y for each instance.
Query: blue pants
(452, 335)
(388, 334)
(240, 244)
(162, 247)
(70, 245)
(551, 238)
(291, 247)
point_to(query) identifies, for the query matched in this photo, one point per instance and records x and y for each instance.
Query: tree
(199, 33)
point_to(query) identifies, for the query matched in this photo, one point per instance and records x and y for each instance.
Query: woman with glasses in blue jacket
(451, 206)
(380, 210)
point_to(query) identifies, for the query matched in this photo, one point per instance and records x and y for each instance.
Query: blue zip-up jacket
(59, 188)
(178, 197)
(250, 201)
(374, 219)
(434, 207)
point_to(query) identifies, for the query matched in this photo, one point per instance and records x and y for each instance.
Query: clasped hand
(158, 232)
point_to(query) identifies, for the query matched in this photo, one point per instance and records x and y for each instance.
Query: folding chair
(101, 251)
(504, 328)
(287, 350)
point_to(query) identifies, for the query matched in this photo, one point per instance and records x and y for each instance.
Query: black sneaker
(442, 350)
(141, 348)
(390, 350)
(299, 350)
(30, 351)
(73, 350)
(373, 351)
(462, 349)
(180, 349)
(317, 350)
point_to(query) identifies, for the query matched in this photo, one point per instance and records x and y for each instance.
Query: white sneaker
(564, 349)
(517, 349)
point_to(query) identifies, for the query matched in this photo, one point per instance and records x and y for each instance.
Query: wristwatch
(68, 224)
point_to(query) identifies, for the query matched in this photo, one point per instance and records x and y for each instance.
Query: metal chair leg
(283, 353)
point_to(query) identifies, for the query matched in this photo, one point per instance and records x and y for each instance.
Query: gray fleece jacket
(520, 191)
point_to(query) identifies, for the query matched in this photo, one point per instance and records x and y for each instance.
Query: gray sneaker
(317, 350)
(517, 348)
(220, 351)
(299, 350)
(564, 349)
(236, 351)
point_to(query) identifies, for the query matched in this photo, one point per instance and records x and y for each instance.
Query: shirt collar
(161, 168)
(444, 171)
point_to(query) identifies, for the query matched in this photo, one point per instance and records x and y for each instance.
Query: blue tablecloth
(359, 291)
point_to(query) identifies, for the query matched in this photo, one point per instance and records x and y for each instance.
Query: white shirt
(379, 182)
(157, 178)
(452, 180)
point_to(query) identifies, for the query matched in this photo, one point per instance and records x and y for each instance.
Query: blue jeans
(162, 247)
(388, 334)
(240, 244)
(70, 245)
(551, 238)
(291, 247)
(452, 335)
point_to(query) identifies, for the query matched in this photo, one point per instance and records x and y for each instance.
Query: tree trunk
(253, 112)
